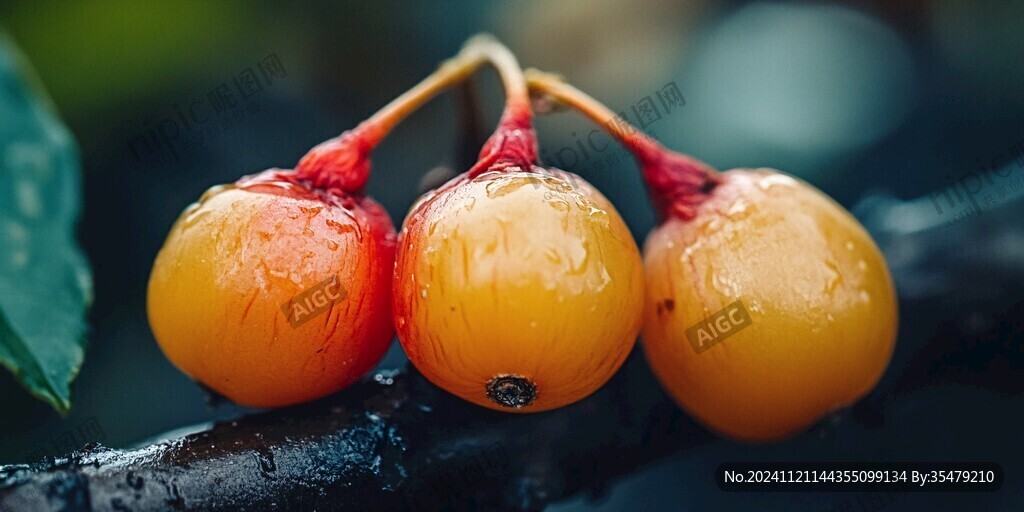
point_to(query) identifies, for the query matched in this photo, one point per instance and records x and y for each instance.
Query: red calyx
(341, 163)
(514, 143)
(677, 183)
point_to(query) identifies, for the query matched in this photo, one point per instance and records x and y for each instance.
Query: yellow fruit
(235, 259)
(818, 292)
(519, 291)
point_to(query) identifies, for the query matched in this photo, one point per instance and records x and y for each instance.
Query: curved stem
(517, 93)
(678, 183)
(449, 73)
(554, 87)
(343, 162)
(514, 143)
(479, 49)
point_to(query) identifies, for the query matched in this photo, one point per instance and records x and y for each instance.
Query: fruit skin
(818, 291)
(232, 260)
(517, 273)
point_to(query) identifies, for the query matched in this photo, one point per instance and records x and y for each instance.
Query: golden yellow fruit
(229, 284)
(821, 304)
(515, 290)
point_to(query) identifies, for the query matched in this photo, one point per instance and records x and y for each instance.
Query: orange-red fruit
(817, 289)
(517, 290)
(229, 277)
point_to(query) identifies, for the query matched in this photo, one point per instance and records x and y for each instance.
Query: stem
(343, 162)
(514, 142)
(554, 87)
(475, 53)
(678, 183)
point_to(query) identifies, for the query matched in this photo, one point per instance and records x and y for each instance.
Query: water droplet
(724, 284)
(774, 179)
(344, 228)
(311, 211)
(498, 187)
(865, 296)
(833, 276)
(578, 256)
(552, 255)
(332, 245)
(737, 208)
(193, 214)
(558, 204)
(214, 190)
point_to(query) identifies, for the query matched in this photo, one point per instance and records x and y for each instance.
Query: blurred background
(883, 105)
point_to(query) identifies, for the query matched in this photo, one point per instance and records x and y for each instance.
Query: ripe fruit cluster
(518, 287)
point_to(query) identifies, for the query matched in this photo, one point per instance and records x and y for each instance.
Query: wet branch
(394, 442)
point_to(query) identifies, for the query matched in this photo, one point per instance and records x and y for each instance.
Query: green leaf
(45, 285)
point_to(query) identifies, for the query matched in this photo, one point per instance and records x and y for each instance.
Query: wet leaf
(45, 285)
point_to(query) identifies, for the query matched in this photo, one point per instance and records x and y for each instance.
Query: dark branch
(394, 442)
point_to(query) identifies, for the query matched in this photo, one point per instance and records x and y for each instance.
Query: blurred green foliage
(121, 50)
(45, 284)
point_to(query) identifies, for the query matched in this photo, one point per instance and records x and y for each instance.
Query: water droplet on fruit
(833, 277)
(558, 204)
(724, 285)
(214, 190)
(737, 208)
(332, 245)
(552, 255)
(498, 187)
(311, 211)
(865, 296)
(689, 250)
(773, 180)
(578, 256)
(193, 215)
(342, 228)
